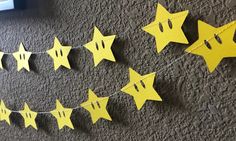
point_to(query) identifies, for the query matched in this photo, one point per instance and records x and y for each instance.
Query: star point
(22, 58)
(141, 88)
(167, 28)
(4, 113)
(214, 44)
(59, 54)
(100, 47)
(1, 56)
(29, 117)
(96, 107)
(62, 115)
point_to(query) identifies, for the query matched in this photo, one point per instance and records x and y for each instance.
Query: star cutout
(96, 106)
(62, 115)
(141, 88)
(214, 44)
(100, 46)
(4, 113)
(1, 56)
(167, 28)
(29, 117)
(59, 54)
(22, 58)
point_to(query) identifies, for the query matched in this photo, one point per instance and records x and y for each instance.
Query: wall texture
(197, 105)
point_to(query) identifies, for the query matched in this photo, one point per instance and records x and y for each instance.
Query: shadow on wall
(30, 9)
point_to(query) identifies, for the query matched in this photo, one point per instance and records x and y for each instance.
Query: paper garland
(95, 105)
(213, 44)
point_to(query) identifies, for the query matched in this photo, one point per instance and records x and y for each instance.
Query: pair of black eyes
(103, 45)
(28, 115)
(208, 45)
(57, 53)
(62, 113)
(22, 56)
(3, 111)
(97, 104)
(136, 87)
(169, 24)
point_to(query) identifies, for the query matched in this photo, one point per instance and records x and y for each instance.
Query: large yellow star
(59, 54)
(1, 55)
(214, 44)
(167, 28)
(100, 46)
(141, 88)
(4, 113)
(29, 117)
(62, 115)
(96, 106)
(22, 58)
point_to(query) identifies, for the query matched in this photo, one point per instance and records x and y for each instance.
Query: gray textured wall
(197, 105)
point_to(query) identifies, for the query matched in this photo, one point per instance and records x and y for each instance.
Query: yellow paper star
(59, 54)
(96, 106)
(167, 28)
(22, 58)
(141, 88)
(29, 117)
(4, 113)
(100, 46)
(1, 55)
(214, 44)
(62, 115)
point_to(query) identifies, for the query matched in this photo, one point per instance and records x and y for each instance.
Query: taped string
(159, 71)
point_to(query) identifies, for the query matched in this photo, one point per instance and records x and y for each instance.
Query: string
(159, 71)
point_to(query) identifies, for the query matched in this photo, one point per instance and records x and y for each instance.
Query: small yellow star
(214, 44)
(141, 88)
(29, 117)
(59, 54)
(96, 106)
(62, 115)
(167, 28)
(22, 58)
(4, 113)
(1, 55)
(100, 46)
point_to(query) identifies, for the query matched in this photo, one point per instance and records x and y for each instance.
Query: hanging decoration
(29, 117)
(96, 107)
(4, 113)
(143, 90)
(62, 115)
(214, 44)
(100, 46)
(22, 58)
(167, 28)
(60, 54)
